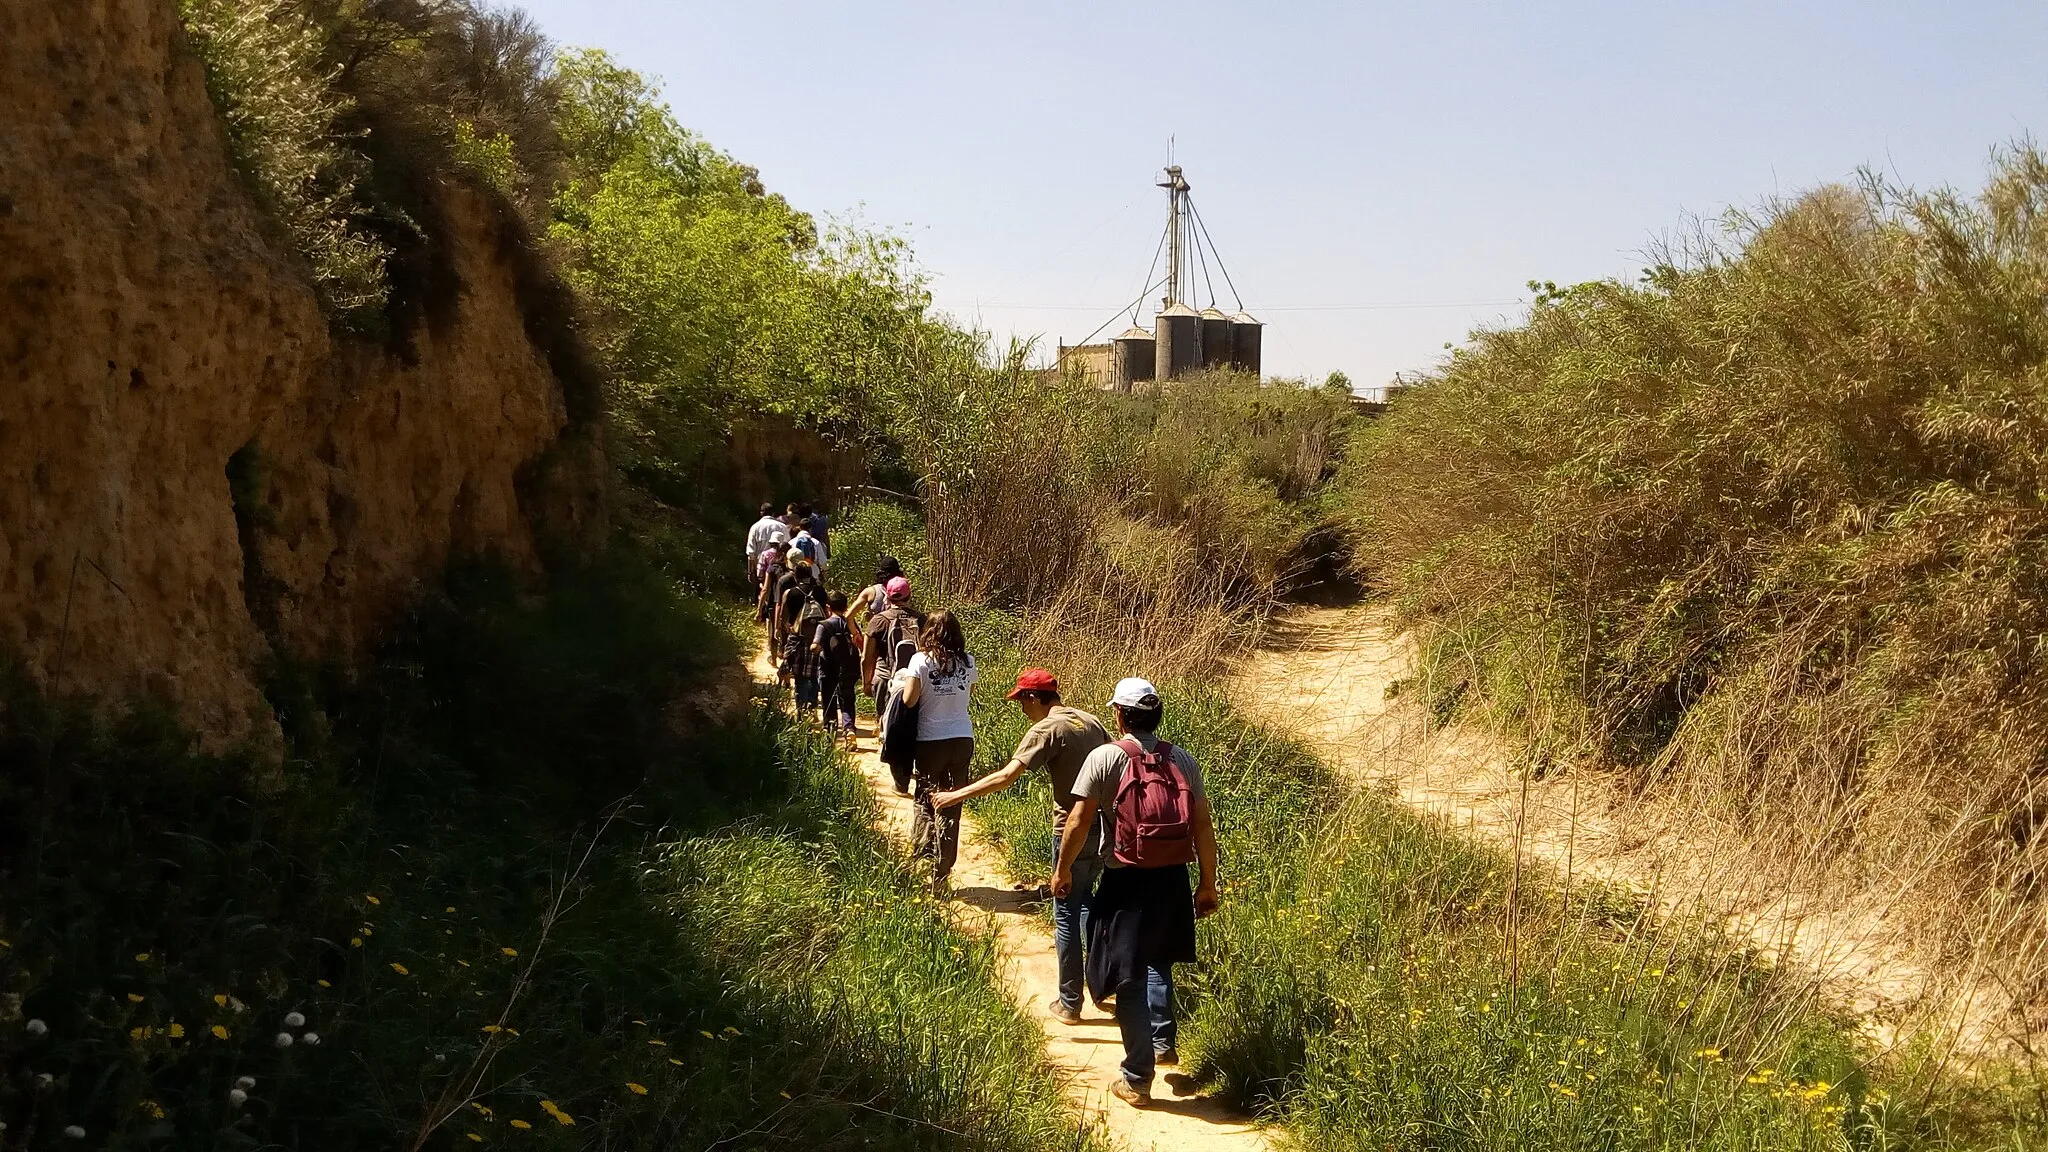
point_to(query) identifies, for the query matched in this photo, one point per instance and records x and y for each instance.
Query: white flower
(44, 1079)
(311, 1039)
(74, 1131)
(237, 1097)
(284, 1040)
(245, 1081)
(294, 1020)
(37, 1027)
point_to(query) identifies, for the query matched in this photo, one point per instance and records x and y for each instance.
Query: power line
(1378, 306)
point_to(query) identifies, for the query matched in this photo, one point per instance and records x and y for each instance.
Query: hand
(1206, 900)
(1063, 883)
(944, 800)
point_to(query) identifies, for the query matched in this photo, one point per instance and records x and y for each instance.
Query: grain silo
(1134, 358)
(1245, 337)
(1215, 338)
(1177, 347)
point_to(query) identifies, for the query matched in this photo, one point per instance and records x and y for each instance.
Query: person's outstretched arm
(1073, 839)
(995, 781)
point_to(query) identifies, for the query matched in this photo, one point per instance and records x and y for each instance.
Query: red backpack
(1154, 826)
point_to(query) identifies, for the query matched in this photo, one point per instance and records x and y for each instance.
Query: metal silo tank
(1246, 334)
(1177, 348)
(1134, 358)
(1215, 338)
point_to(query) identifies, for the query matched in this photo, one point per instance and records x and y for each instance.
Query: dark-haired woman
(941, 676)
(874, 597)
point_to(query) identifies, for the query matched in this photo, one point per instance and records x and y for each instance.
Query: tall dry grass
(1760, 538)
(1164, 526)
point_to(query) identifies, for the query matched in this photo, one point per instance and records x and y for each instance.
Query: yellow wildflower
(401, 969)
(480, 1109)
(140, 1033)
(371, 899)
(220, 1031)
(521, 1124)
(659, 1043)
(152, 1109)
(492, 1028)
(323, 983)
(135, 998)
(355, 941)
(475, 1139)
(676, 1062)
(706, 1035)
(142, 957)
(509, 951)
(1708, 1054)
(561, 1117)
(451, 908)
(636, 1089)
(176, 1031)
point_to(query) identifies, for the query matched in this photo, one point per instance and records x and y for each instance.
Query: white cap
(1135, 692)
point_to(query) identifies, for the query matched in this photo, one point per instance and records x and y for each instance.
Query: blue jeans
(1144, 1017)
(1070, 925)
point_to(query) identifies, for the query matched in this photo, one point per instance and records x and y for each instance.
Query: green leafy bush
(266, 71)
(1764, 531)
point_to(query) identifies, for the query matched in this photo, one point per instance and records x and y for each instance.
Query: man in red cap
(1059, 740)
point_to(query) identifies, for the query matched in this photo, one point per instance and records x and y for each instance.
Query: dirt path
(1086, 1054)
(1325, 673)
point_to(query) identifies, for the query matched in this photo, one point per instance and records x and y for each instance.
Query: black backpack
(836, 638)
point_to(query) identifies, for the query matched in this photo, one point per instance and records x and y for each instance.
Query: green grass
(1362, 986)
(499, 889)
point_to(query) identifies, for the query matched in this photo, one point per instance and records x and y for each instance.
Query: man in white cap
(1155, 822)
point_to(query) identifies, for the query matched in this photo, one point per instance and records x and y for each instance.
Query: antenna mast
(1177, 188)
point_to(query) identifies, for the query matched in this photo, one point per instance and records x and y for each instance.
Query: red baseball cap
(1035, 680)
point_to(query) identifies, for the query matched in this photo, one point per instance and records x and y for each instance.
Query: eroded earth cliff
(155, 339)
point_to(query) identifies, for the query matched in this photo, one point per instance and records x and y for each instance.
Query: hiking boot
(1122, 1090)
(1064, 1014)
(1166, 1057)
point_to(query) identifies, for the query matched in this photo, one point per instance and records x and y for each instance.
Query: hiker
(875, 597)
(837, 646)
(802, 608)
(818, 525)
(891, 637)
(891, 640)
(1059, 740)
(941, 676)
(765, 534)
(813, 550)
(774, 567)
(1154, 821)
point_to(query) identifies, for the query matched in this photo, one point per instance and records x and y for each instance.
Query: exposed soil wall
(151, 334)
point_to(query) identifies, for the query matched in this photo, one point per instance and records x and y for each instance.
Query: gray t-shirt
(1103, 771)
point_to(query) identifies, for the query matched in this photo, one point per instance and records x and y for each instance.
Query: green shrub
(266, 73)
(1765, 530)
(464, 881)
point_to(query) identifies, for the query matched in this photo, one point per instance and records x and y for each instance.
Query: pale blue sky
(1425, 160)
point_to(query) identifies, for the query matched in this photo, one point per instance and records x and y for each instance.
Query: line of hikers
(1130, 811)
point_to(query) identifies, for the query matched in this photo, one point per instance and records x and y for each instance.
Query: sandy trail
(1324, 673)
(1086, 1054)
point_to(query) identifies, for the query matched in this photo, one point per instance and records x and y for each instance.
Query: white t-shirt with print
(942, 699)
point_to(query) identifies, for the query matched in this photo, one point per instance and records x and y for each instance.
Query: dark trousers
(941, 766)
(837, 691)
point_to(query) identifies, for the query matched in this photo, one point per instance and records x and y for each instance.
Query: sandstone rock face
(149, 331)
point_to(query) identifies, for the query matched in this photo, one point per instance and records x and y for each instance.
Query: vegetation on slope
(492, 898)
(1376, 979)
(1764, 533)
